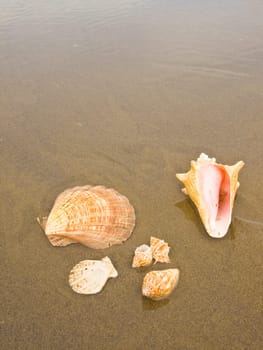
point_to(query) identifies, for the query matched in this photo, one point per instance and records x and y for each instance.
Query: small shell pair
(144, 254)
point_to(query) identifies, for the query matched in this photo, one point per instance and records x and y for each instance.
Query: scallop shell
(160, 284)
(212, 187)
(142, 256)
(94, 216)
(160, 250)
(90, 276)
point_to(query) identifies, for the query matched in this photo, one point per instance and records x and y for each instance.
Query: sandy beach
(124, 94)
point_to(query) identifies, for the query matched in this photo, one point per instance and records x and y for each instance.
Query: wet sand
(125, 94)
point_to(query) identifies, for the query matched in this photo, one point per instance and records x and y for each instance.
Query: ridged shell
(160, 250)
(90, 276)
(94, 216)
(142, 256)
(160, 284)
(212, 187)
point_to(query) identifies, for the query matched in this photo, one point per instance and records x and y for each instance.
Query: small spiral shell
(160, 250)
(142, 256)
(160, 284)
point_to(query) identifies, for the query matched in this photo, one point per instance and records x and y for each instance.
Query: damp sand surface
(125, 94)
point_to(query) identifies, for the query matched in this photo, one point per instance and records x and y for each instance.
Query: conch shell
(94, 216)
(90, 276)
(160, 284)
(142, 256)
(212, 187)
(160, 250)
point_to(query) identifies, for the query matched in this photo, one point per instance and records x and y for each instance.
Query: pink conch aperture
(212, 187)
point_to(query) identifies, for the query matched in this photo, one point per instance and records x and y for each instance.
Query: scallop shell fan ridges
(94, 216)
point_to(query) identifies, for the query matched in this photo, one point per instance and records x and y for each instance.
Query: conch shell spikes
(212, 187)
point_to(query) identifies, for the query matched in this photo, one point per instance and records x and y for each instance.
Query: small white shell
(142, 256)
(160, 284)
(90, 276)
(160, 250)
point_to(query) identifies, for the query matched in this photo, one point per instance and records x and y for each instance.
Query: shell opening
(215, 185)
(142, 248)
